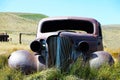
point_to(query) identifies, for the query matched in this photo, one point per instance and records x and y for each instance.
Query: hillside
(19, 22)
(111, 36)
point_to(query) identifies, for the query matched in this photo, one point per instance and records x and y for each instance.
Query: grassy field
(111, 40)
(11, 22)
(15, 23)
(111, 36)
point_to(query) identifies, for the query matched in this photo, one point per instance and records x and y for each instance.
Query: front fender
(100, 58)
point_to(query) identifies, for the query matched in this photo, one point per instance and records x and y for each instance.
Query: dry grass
(12, 23)
(8, 47)
(111, 37)
(111, 40)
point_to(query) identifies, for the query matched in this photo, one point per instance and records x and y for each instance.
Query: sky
(105, 11)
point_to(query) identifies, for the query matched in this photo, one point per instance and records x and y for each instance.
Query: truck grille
(59, 49)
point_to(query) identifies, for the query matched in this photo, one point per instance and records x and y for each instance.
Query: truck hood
(73, 35)
(79, 36)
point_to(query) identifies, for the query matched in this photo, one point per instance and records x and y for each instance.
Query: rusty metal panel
(59, 49)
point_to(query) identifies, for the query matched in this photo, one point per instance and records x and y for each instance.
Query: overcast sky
(105, 11)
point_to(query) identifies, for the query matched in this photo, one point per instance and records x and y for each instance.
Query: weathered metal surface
(59, 52)
(23, 60)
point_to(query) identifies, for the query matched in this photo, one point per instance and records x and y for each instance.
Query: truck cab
(67, 37)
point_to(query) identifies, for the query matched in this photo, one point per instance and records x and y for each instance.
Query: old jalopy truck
(59, 42)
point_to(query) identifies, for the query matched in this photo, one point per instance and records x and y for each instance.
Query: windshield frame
(68, 25)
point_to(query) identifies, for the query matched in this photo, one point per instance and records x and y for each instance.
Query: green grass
(77, 72)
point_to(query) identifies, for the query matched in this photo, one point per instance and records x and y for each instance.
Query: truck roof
(68, 18)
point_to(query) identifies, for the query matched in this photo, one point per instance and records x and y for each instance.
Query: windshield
(56, 25)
